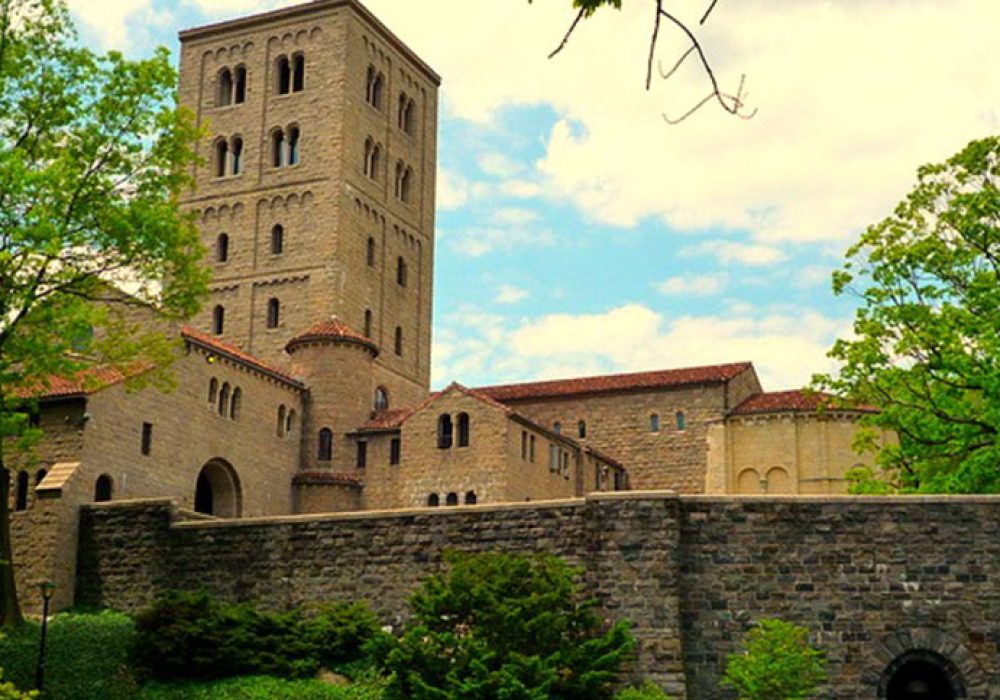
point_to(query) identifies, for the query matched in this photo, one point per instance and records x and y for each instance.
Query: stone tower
(315, 194)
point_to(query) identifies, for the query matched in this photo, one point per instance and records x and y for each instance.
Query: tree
(732, 103)
(93, 158)
(504, 626)
(777, 663)
(926, 342)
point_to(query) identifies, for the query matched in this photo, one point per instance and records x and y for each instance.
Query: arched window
(213, 391)
(240, 88)
(273, 313)
(221, 156)
(225, 95)
(444, 431)
(223, 407)
(277, 239)
(324, 450)
(103, 489)
(235, 404)
(451, 500)
(557, 428)
(293, 145)
(581, 429)
(279, 429)
(463, 429)
(399, 179)
(400, 271)
(39, 476)
(277, 148)
(681, 420)
(283, 74)
(373, 154)
(218, 320)
(404, 184)
(433, 501)
(21, 491)
(370, 252)
(373, 87)
(399, 340)
(654, 423)
(368, 323)
(236, 155)
(470, 498)
(222, 247)
(290, 422)
(298, 72)
(381, 399)
(406, 113)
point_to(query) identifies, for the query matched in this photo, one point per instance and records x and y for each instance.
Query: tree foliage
(94, 155)
(504, 626)
(776, 663)
(926, 342)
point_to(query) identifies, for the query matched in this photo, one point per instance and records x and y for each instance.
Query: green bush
(88, 657)
(647, 691)
(776, 662)
(338, 632)
(261, 688)
(503, 626)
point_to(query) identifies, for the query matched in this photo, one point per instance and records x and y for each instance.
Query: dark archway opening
(203, 501)
(922, 675)
(217, 491)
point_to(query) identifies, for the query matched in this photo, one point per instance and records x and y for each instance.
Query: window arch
(324, 450)
(240, 85)
(405, 182)
(225, 82)
(654, 422)
(298, 72)
(277, 239)
(290, 422)
(374, 83)
(294, 136)
(433, 500)
(222, 248)
(470, 498)
(236, 155)
(381, 399)
(581, 429)
(213, 391)
(218, 320)
(452, 499)
(444, 431)
(21, 491)
(277, 148)
(373, 154)
(400, 271)
(273, 313)
(223, 406)
(399, 340)
(681, 420)
(463, 429)
(368, 323)
(221, 157)
(235, 404)
(406, 113)
(283, 75)
(279, 429)
(370, 252)
(557, 428)
(104, 488)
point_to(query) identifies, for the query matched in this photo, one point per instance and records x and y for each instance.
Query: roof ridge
(237, 354)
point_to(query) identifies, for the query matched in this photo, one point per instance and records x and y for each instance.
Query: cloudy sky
(579, 233)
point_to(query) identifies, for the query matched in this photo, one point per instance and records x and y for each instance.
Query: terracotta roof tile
(795, 401)
(712, 374)
(83, 383)
(331, 329)
(390, 419)
(234, 353)
(320, 477)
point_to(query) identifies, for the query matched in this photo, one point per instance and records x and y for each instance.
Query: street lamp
(46, 588)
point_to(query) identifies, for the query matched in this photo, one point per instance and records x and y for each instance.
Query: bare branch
(652, 43)
(704, 17)
(569, 33)
(677, 65)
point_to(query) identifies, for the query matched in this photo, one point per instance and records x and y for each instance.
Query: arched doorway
(921, 675)
(217, 490)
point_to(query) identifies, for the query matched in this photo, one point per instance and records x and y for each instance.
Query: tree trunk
(10, 610)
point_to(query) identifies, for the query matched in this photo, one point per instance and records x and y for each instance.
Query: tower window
(373, 154)
(681, 420)
(290, 422)
(324, 451)
(400, 272)
(557, 428)
(278, 148)
(146, 443)
(463, 429)
(581, 429)
(524, 445)
(444, 432)
(399, 340)
(284, 75)
(277, 239)
(235, 404)
(240, 88)
(236, 155)
(531, 449)
(395, 451)
(362, 457)
(370, 252)
(373, 87)
(103, 489)
(221, 156)
(470, 498)
(218, 320)
(406, 113)
(433, 500)
(279, 429)
(223, 406)
(293, 145)
(21, 491)
(654, 423)
(404, 178)
(368, 323)
(451, 500)
(225, 95)
(222, 248)
(273, 313)
(381, 399)
(298, 72)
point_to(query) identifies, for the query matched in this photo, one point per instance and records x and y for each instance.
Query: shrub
(503, 626)
(647, 691)
(338, 632)
(777, 662)
(261, 688)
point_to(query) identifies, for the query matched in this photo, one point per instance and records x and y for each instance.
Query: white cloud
(452, 190)
(514, 216)
(813, 276)
(521, 189)
(481, 240)
(511, 294)
(108, 19)
(499, 165)
(694, 285)
(726, 252)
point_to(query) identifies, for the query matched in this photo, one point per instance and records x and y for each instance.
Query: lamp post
(46, 588)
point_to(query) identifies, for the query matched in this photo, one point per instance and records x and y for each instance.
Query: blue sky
(579, 233)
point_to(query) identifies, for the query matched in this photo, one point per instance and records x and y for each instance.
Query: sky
(579, 233)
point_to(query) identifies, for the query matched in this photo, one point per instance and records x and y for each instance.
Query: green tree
(93, 158)
(776, 663)
(504, 626)
(926, 341)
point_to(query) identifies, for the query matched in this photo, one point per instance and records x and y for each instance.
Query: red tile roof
(331, 329)
(389, 419)
(336, 478)
(234, 353)
(83, 383)
(794, 401)
(610, 383)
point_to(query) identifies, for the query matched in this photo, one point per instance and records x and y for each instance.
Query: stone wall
(870, 578)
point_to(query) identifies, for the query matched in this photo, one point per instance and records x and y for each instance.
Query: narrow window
(21, 492)
(463, 429)
(681, 420)
(280, 427)
(146, 445)
(223, 407)
(278, 148)
(470, 498)
(235, 404)
(376, 158)
(221, 155)
(213, 391)
(597, 476)
(381, 399)
(399, 179)
(451, 500)
(240, 90)
(433, 501)
(404, 184)
(362, 459)
(222, 248)
(373, 87)
(524, 445)
(324, 451)
(225, 95)
(218, 320)
(406, 113)
(553, 458)
(619, 480)
(293, 145)
(103, 489)
(400, 119)
(557, 428)
(370, 253)
(277, 239)
(565, 464)
(399, 341)
(273, 313)
(368, 323)
(400, 272)
(531, 450)
(581, 429)
(444, 431)
(298, 73)
(284, 76)
(236, 150)
(369, 147)
(395, 451)
(654, 423)
(290, 423)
